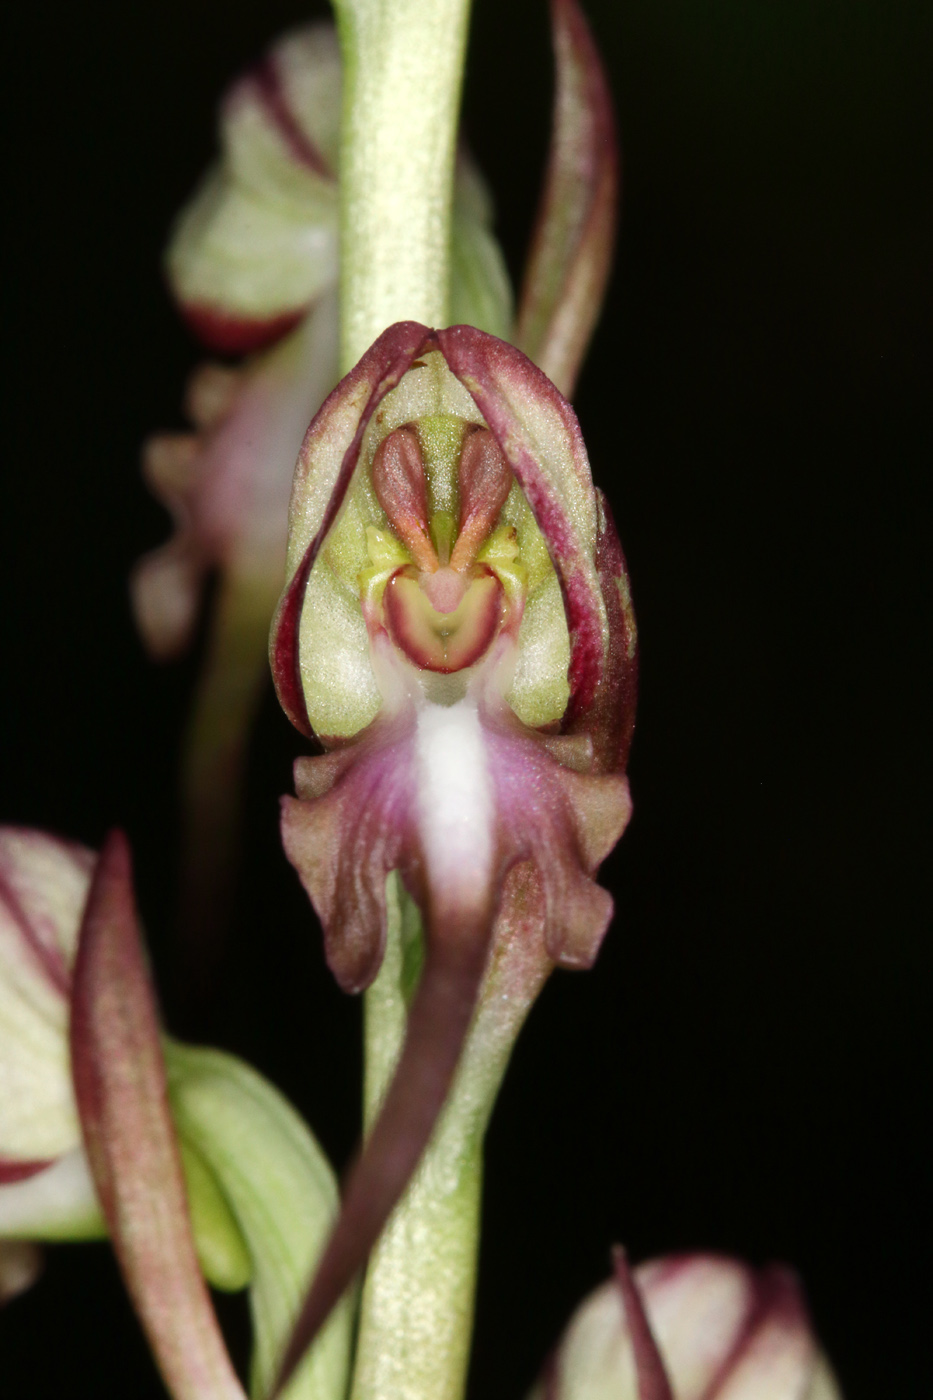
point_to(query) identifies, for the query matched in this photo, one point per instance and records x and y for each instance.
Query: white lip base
(455, 802)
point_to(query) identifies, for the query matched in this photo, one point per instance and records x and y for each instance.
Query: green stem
(403, 66)
(403, 71)
(229, 691)
(417, 1306)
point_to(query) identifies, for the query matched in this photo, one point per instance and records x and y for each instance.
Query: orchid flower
(457, 632)
(694, 1327)
(187, 1158)
(252, 263)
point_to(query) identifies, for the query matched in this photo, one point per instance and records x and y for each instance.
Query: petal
(343, 836)
(165, 593)
(823, 1384)
(130, 1139)
(718, 1329)
(228, 486)
(572, 248)
(609, 722)
(698, 1305)
(538, 433)
(257, 244)
(566, 822)
(45, 880)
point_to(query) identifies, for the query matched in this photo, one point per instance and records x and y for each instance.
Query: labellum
(457, 633)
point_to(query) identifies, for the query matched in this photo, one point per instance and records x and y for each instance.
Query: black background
(742, 1070)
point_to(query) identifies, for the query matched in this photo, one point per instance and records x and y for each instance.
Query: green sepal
(281, 1195)
(222, 1253)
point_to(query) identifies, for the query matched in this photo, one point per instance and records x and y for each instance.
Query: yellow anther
(385, 550)
(501, 546)
(387, 554)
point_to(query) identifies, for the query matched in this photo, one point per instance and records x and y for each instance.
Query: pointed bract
(568, 266)
(130, 1139)
(651, 1377)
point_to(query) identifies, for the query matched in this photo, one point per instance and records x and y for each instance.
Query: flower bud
(694, 1327)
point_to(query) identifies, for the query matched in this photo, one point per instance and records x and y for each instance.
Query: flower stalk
(403, 75)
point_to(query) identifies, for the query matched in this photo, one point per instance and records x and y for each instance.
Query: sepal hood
(482, 380)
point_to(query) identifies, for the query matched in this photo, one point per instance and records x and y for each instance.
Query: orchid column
(403, 67)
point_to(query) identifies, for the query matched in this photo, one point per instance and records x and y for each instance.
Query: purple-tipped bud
(694, 1327)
